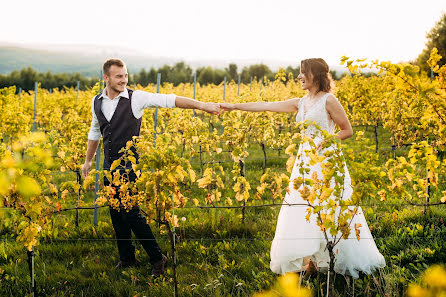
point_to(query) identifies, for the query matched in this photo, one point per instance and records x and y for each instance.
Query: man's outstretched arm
(142, 100)
(188, 103)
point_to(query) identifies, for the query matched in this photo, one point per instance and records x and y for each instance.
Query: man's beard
(115, 90)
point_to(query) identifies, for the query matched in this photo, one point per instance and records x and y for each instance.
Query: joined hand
(227, 106)
(210, 107)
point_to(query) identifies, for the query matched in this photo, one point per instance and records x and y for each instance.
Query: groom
(117, 114)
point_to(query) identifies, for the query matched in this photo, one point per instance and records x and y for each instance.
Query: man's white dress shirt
(140, 101)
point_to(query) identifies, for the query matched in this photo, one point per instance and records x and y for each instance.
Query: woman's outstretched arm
(290, 105)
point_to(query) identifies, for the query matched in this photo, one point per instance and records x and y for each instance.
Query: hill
(87, 59)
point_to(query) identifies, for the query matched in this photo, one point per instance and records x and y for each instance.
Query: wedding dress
(297, 241)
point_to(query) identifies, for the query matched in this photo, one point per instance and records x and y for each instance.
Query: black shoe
(158, 267)
(125, 264)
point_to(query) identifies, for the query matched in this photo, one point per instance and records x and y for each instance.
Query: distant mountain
(88, 59)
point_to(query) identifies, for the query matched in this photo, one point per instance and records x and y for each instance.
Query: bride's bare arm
(337, 113)
(290, 105)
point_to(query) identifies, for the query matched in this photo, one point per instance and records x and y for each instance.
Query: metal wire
(237, 239)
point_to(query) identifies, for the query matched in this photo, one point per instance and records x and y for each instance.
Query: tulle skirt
(298, 241)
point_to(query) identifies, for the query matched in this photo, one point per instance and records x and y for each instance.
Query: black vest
(122, 127)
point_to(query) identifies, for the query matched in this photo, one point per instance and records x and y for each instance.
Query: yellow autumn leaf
(171, 178)
(27, 186)
(204, 181)
(290, 163)
(4, 183)
(357, 230)
(192, 175)
(297, 182)
(64, 194)
(115, 164)
(314, 158)
(287, 285)
(290, 149)
(61, 154)
(228, 201)
(180, 172)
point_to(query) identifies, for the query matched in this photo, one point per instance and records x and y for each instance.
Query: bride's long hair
(319, 70)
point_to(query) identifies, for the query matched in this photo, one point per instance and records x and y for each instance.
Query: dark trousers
(124, 222)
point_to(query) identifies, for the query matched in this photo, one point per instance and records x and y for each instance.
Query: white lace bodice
(316, 113)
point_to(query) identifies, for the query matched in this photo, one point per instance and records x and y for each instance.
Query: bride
(299, 245)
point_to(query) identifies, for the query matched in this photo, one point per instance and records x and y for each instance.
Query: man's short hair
(110, 62)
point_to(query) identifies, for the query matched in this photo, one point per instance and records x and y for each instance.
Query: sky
(391, 30)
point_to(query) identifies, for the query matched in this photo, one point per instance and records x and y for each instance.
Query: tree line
(176, 74)
(26, 78)
(182, 73)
